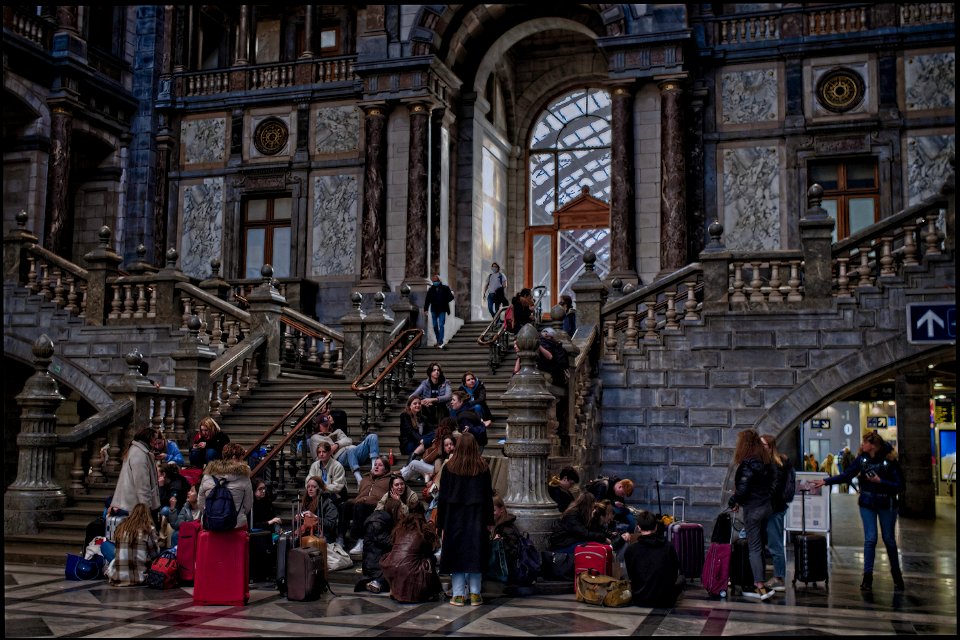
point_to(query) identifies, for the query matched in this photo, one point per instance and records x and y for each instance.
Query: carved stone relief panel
(750, 198)
(333, 226)
(929, 81)
(202, 227)
(336, 130)
(203, 141)
(928, 164)
(750, 96)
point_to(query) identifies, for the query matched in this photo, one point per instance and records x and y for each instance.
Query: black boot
(897, 579)
(867, 583)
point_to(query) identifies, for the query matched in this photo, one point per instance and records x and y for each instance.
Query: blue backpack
(219, 514)
(528, 561)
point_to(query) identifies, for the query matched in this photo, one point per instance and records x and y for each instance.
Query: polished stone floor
(39, 603)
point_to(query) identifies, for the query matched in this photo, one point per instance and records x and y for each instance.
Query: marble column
(417, 195)
(34, 496)
(243, 37)
(673, 181)
(528, 444)
(373, 238)
(61, 130)
(308, 34)
(165, 143)
(912, 395)
(439, 119)
(623, 240)
(179, 50)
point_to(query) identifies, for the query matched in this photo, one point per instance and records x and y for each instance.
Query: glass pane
(861, 175)
(589, 131)
(584, 168)
(328, 39)
(572, 245)
(831, 207)
(254, 253)
(282, 208)
(862, 213)
(541, 188)
(281, 252)
(826, 175)
(542, 264)
(256, 210)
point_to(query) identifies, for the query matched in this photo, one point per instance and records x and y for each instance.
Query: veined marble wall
(337, 129)
(930, 81)
(751, 198)
(336, 203)
(749, 96)
(202, 227)
(928, 165)
(203, 141)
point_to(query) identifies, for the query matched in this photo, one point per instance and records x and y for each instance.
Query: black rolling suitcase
(263, 556)
(741, 575)
(809, 552)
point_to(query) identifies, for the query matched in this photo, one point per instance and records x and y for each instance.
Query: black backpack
(528, 561)
(219, 514)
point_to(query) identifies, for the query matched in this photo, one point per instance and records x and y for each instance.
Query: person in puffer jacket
(880, 480)
(753, 488)
(234, 468)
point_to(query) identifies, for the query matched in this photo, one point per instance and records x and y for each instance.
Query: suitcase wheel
(723, 593)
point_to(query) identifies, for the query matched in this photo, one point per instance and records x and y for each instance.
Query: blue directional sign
(932, 322)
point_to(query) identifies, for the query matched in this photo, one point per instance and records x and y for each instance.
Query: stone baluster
(756, 283)
(843, 281)
(690, 306)
(671, 313)
(795, 294)
(528, 445)
(650, 324)
(909, 246)
(114, 436)
(179, 432)
(932, 237)
(630, 333)
(127, 301)
(141, 311)
(736, 289)
(58, 298)
(774, 295)
(32, 276)
(76, 487)
(96, 477)
(886, 257)
(34, 496)
(610, 344)
(864, 270)
(235, 386)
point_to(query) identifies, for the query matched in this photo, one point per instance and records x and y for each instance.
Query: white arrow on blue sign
(931, 322)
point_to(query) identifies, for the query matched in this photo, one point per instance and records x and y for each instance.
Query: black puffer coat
(753, 484)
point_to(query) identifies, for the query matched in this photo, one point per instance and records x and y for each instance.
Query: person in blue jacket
(881, 480)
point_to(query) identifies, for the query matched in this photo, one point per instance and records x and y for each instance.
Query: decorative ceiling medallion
(840, 90)
(270, 136)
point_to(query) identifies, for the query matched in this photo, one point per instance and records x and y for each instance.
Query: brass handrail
(495, 322)
(415, 335)
(298, 406)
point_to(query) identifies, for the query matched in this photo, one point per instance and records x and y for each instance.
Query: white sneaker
(406, 473)
(759, 593)
(357, 548)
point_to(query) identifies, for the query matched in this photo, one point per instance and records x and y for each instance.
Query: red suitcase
(687, 538)
(223, 568)
(592, 555)
(187, 549)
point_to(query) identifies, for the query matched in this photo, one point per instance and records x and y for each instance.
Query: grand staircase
(261, 409)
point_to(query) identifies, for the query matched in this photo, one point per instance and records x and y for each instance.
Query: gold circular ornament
(840, 90)
(270, 136)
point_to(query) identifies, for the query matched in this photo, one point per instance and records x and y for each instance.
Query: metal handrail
(497, 324)
(305, 419)
(415, 336)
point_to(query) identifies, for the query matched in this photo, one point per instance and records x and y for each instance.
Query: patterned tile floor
(39, 603)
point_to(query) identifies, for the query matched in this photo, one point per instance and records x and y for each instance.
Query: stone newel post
(266, 307)
(528, 444)
(816, 228)
(34, 496)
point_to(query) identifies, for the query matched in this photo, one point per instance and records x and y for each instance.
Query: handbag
(80, 568)
(163, 573)
(430, 455)
(497, 567)
(605, 591)
(337, 557)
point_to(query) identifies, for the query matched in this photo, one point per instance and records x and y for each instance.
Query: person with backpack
(552, 358)
(437, 302)
(753, 488)
(226, 493)
(495, 290)
(784, 487)
(520, 312)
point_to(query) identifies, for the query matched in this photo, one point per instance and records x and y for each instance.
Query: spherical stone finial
(628, 288)
(104, 235)
(378, 298)
(134, 359)
(557, 312)
(528, 338)
(215, 265)
(815, 193)
(617, 284)
(815, 198)
(404, 289)
(193, 323)
(357, 299)
(172, 256)
(589, 260)
(22, 218)
(42, 348)
(266, 272)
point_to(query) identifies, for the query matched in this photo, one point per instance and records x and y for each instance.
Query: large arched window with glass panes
(569, 188)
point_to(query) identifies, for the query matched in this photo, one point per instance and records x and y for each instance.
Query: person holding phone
(881, 480)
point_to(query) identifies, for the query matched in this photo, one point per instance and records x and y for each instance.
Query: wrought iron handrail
(397, 365)
(323, 401)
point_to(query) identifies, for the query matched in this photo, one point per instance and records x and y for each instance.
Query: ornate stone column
(528, 445)
(243, 37)
(34, 496)
(673, 181)
(623, 239)
(308, 34)
(912, 394)
(61, 130)
(417, 196)
(373, 260)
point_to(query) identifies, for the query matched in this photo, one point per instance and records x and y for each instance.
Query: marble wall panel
(930, 81)
(337, 129)
(751, 198)
(928, 165)
(336, 206)
(204, 141)
(749, 96)
(202, 228)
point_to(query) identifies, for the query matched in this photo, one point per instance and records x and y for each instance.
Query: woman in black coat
(465, 519)
(377, 532)
(573, 528)
(753, 490)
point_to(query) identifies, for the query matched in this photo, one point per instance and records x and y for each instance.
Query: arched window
(569, 187)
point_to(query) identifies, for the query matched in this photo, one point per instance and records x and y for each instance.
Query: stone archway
(62, 370)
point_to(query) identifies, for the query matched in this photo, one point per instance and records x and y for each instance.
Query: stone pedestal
(528, 445)
(816, 229)
(912, 394)
(266, 307)
(192, 368)
(353, 361)
(376, 330)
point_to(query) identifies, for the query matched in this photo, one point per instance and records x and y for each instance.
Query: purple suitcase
(687, 538)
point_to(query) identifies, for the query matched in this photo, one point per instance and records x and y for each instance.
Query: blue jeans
(775, 543)
(439, 319)
(458, 583)
(491, 303)
(888, 529)
(357, 455)
(200, 457)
